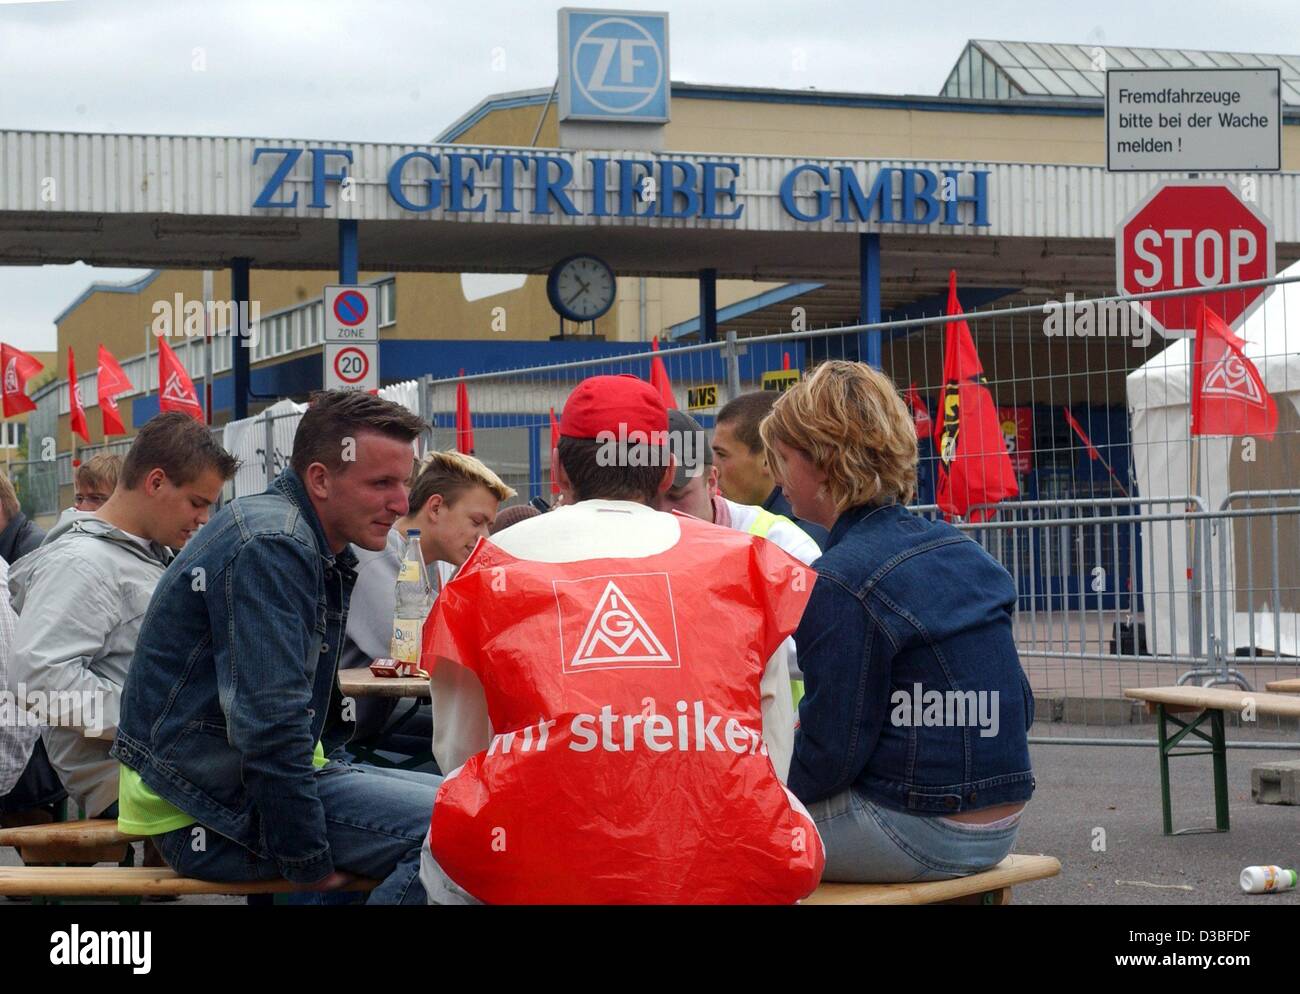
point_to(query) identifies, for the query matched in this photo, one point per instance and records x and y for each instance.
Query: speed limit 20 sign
(351, 353)
(351, 365)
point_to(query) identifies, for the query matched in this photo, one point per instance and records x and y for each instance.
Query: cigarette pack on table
(395, 667)
(386, 667)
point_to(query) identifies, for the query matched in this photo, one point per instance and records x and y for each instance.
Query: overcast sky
(402, 70)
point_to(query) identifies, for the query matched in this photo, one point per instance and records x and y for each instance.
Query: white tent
(1159, 402)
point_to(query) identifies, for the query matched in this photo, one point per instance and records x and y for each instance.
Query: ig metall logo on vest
(617, 621)
(613, 66)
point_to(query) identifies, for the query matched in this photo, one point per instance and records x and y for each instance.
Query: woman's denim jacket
(233, 676)
(913, 690)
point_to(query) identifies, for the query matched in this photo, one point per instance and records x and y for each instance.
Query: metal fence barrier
(1123, 575)
(1139, 556)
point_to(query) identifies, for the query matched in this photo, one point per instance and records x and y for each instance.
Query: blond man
(95, 481)
(454, 501)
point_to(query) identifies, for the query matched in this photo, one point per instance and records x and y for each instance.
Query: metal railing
(1116, 552)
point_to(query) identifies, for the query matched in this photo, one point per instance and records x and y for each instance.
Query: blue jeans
(376, 820)
(868, 843)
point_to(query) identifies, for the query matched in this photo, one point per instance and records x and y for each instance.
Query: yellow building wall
(122, 322)
(434, 305)
(866, 132)
(515, 126)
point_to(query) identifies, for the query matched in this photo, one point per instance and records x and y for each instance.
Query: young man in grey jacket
(81, 597)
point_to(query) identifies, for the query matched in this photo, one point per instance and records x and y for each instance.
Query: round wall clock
(581, 288)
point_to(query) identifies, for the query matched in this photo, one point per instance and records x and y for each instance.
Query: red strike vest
(628, 765)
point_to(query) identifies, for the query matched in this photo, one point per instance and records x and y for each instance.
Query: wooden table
(360, 682)
(1208, 705)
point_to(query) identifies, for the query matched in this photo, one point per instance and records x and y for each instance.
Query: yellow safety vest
(761, 526)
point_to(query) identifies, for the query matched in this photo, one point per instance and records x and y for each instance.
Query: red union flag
(974, 467)
(110, 382)
(175, 388)
(464, 420)
(19, 367)
(920, 413)
(76, 407)
(1093, 452)
(555, 444)
(1228, 394)
(659, 377)
(1189, 234)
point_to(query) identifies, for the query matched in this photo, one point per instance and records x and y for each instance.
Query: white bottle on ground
(414, 599)
(1267, 879)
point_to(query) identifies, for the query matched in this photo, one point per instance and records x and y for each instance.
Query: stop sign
(1193, 233)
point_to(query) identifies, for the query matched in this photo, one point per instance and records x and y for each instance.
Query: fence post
(731, 359)
(535, 463)
(426, 412)
(268, 456)
(1196, 604)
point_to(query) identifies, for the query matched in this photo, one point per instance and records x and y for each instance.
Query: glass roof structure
(1005, 70)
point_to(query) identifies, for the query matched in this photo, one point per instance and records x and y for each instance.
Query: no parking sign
(351, 352)
(351, 314)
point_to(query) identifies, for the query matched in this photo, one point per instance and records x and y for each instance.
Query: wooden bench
(137, 881)
(1284, 686)
(993, 887)
(1209, 703)
(97, 840)
(990, 887)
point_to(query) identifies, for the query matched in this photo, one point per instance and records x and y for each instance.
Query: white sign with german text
(1187, 120)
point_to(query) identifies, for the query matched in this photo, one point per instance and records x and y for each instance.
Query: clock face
(582, 288)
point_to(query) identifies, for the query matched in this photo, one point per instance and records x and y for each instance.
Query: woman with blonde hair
(911, 752)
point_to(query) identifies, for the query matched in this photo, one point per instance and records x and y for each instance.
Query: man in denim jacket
(234, 675)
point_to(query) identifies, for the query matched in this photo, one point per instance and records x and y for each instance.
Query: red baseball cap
(603, 403)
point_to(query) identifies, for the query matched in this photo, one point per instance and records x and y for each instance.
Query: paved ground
(1116, 788)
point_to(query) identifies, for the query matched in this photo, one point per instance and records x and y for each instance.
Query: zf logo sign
(615, 65)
